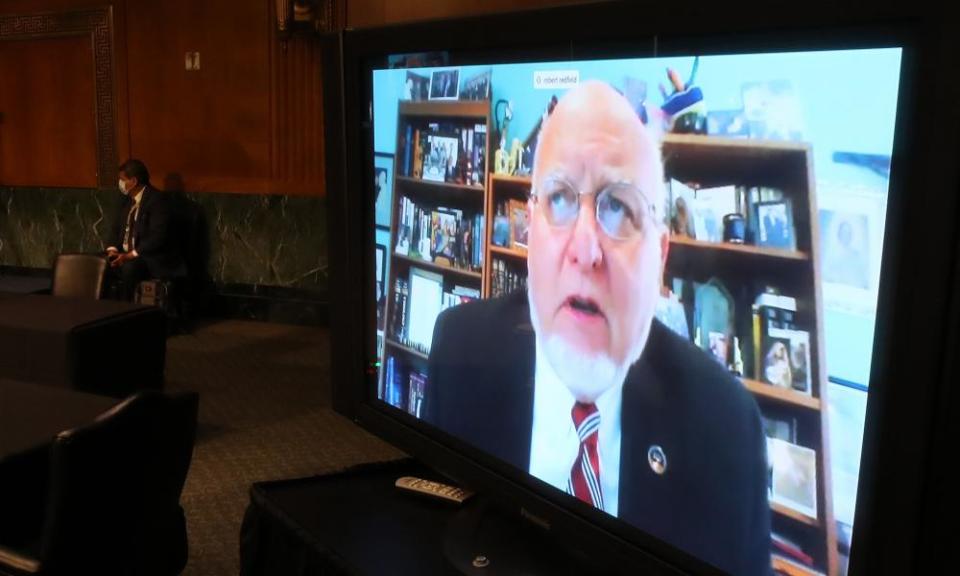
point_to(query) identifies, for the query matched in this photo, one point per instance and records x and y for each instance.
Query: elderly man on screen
(577, 384)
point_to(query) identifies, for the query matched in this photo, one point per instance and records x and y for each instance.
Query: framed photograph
(381, 278)
(717, 342)
(416, 87)
(782, 428)
(383, 185)
(793, 347)
(772, 110)
(445, 84)
(775, 225)
(793, 476)
(727, 123)
(519, 224)
(776, 363)
(443, 236)
(477, 87)
(440, 158)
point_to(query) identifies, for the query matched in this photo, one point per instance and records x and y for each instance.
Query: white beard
(587, 376)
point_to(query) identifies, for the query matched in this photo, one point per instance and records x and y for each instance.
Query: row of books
(444, 152)
(403, 388)
(417, 303)
(506, 278)
(440, 235)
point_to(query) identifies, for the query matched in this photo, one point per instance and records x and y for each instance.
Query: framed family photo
(383, 184)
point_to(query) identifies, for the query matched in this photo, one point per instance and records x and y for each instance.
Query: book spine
(408, 152)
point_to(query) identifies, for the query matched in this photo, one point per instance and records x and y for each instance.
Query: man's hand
(120, 259)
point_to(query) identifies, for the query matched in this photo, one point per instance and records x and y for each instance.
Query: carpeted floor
(264, 414)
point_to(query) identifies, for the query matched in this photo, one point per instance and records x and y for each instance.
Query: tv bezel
(895, 509)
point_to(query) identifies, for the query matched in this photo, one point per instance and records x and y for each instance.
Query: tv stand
(482, 540)
(358, 522)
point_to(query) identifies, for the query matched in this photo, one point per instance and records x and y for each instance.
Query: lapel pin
(657, 459)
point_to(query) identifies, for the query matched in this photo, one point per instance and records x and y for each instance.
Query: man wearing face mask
(140, 243)
(577, 384)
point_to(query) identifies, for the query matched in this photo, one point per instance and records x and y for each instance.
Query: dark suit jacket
(151, 233)
(712, 500)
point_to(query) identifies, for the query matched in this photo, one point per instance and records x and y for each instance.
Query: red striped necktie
(584, 480)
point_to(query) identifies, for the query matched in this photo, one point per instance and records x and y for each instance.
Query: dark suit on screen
(712, 499)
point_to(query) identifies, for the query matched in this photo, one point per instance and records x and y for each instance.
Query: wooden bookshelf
(782, 395)
(454, 117)
(405, 349)
(683, 242)
(513, 252)
(706, 161)
(437, 267)
(795, 516)
(438, 185)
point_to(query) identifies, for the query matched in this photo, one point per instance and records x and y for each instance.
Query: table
(31, 415)
(358, 522)
(101, 346)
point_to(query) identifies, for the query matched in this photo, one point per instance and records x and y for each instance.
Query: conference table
(31, 415)
(101, 346)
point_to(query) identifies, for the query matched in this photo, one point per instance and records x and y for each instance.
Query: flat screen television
(656, 284)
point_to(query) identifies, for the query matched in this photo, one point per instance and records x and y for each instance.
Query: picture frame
(416, 87)
(477, 87)
(441, 155)
(445, 84)
(775, 225)
(792, 471)
(519, 224)
(383, 188)
(381, 275)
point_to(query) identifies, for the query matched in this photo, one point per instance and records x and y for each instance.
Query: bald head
(594, 134)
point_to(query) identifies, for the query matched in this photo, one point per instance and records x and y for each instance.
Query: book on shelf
(449, 152)
(398, 320)
(441, 235)
(417, 385)
(394, 391)
(785, 547)
(506, 277)
(784, 566)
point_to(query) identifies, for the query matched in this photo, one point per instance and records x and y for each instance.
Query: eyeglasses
(623, 212)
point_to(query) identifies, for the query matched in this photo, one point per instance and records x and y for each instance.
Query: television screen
(645, 287)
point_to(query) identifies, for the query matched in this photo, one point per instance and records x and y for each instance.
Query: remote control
(434, 489)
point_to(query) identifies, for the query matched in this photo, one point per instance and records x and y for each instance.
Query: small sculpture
(685, 110)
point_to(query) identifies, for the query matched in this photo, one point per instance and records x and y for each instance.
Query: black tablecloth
(355, 522)
(100, 346)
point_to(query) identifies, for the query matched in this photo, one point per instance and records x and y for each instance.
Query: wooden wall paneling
(211, 127)
(59, 102)
(368, 13)
(298, 145)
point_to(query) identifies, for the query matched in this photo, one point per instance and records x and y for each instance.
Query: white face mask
(123, 189)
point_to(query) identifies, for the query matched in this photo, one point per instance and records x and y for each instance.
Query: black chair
(79, 275)
(113, 494)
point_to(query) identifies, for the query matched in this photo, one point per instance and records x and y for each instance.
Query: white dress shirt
(554, 442)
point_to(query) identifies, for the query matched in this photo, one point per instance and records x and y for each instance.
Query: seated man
(141, 246)
(576, 383)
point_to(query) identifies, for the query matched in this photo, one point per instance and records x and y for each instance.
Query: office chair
(79, 275)
(113, 494)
